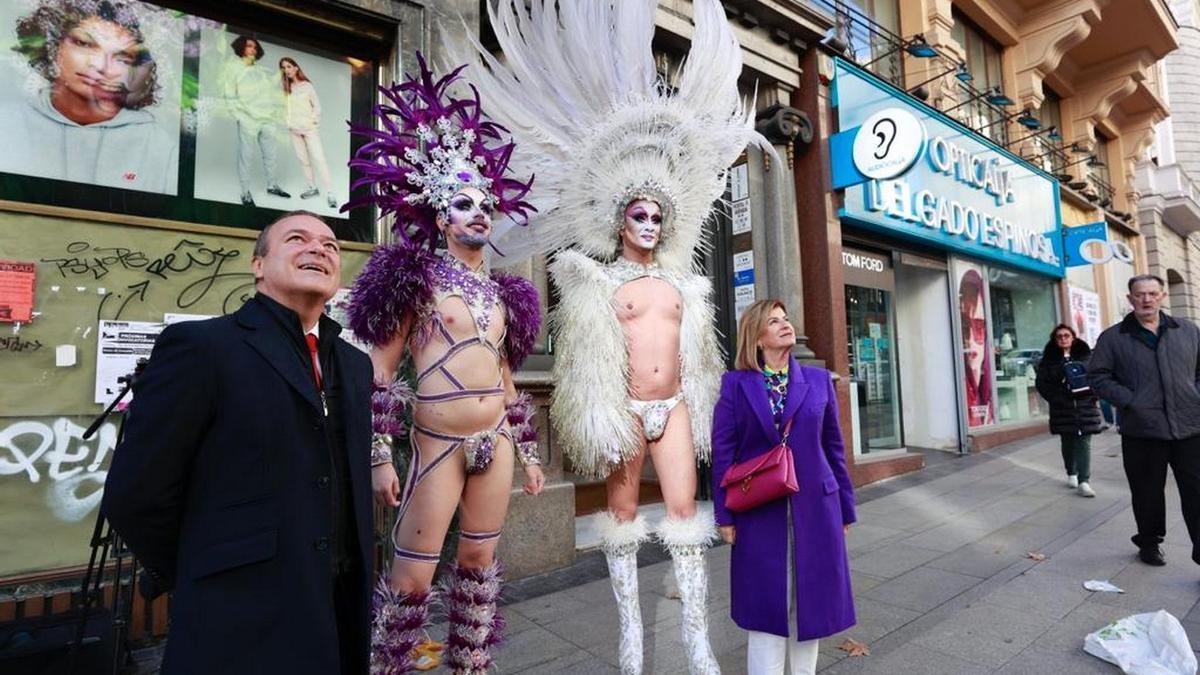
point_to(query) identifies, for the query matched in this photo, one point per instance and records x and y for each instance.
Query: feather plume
(579, 92)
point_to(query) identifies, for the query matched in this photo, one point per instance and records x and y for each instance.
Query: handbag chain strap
(787, 430)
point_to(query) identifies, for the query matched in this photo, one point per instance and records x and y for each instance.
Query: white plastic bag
(1144, 644)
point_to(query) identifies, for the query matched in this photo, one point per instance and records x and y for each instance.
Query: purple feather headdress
(430, 146)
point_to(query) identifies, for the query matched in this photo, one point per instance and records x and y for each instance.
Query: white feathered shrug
(589, 408)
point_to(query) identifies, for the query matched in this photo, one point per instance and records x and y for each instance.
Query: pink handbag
(765, 478)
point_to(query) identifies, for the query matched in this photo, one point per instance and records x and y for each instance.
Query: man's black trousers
(1146, 461)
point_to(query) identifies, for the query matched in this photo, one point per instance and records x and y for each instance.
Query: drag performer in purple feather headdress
(438, 166)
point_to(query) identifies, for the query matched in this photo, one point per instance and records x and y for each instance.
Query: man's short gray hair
(1146, 277)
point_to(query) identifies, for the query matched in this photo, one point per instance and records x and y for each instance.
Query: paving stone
(865, 534)
(908, 659)
(949, 536)
(581, 663)
(532, 648)
(979, 559)
(986, 634)
(861, 582)
(892, 560)
(875, 620)
(921, 589)
(1066, 635)
(1058, 663)
(1039, 592)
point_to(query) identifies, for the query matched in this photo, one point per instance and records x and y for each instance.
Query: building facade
(875, 302)
(1169, 209)
(936, 337)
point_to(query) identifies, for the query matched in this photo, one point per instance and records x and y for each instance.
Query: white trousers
(765, 652)
(311, 153)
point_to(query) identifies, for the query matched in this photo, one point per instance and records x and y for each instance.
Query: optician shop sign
(912, 172)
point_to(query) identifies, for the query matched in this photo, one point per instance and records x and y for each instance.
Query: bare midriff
(474, 367)
(650, 311)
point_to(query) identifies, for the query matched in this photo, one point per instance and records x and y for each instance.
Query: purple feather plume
(396, 280)
(520, 419)
(524, 315)
(387, 408)
(384, 169)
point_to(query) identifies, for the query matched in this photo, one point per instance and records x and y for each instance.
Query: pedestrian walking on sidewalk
(1074, 409)
(790, 574)
(1147, 366)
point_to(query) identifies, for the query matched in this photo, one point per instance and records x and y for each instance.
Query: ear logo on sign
(886, 136)
(888, 143)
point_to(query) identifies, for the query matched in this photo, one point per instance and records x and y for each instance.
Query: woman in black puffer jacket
(1075, 418)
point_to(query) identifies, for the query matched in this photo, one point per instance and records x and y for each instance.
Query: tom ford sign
(910, 171)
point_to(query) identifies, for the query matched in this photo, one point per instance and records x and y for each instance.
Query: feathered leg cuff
(397, 625)
(688, 536)
(387, 418)
(524, 430)
(475, 624)
(619, 537)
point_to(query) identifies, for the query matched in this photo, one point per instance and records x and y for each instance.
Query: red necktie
(312, 351)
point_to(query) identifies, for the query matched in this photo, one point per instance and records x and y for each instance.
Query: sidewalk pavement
(942, 582)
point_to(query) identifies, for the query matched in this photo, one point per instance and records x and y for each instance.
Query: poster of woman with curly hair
(976, 348)
(89, 92)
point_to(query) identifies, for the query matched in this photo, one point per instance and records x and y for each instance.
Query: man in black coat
(1148, 366)
(243, 483)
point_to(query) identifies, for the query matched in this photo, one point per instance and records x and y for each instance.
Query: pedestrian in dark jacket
(1148, 366)
(1074, 416)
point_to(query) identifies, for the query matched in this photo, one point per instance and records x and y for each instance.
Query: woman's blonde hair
(750, 326)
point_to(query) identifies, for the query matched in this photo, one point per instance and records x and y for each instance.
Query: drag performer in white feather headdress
(628, 172)
(440, 167)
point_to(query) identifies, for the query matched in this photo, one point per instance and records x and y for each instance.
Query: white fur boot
(620, 541)
(687, 540)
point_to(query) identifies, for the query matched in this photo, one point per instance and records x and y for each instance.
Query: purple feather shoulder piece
(398, 279)
(524, 314)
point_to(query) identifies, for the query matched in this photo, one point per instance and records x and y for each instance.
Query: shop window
(983, 58)
(1053, 160)
(870, 28)
(1099, 174)
(1023, 314)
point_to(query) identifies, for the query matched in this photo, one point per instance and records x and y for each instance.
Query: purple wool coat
(743, 428)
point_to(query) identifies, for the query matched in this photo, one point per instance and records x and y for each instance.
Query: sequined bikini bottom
(654, 415)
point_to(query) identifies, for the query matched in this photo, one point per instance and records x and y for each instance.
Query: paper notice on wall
(1085, 314)
(175, 317)
(743, 297)
(338, 309)
(119, 345)
(17, 280)
(743, 268)
(740, 211)
(739, 183)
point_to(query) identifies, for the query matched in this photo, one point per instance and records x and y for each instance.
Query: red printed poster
(16, 290)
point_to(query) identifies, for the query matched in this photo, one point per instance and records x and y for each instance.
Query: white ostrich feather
(579, 92)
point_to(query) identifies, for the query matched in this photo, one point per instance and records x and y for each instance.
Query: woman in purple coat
(790, 573)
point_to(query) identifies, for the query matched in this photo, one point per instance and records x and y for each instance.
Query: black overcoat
(1069, 415)
(222, 488)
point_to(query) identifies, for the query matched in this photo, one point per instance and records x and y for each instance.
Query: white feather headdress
(593, 122)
